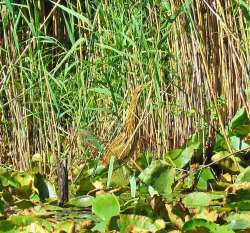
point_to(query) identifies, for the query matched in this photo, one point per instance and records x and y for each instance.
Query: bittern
(124, 145)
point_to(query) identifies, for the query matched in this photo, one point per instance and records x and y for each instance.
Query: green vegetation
(146, 103)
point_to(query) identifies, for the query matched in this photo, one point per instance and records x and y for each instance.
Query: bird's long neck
(129, 124)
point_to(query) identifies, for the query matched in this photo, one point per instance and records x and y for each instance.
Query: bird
(124, 145)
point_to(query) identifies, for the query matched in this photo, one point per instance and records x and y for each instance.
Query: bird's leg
(62, 174)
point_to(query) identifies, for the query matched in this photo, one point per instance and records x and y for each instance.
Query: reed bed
(71, 65)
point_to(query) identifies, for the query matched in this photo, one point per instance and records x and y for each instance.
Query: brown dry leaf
(208, 214)
(86, 224)
(233, 188)
(35, 227)
(176, 220)
(134, 229)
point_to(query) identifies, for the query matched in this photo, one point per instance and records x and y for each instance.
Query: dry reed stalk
(208, 71)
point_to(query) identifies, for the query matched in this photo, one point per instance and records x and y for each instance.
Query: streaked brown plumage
(123, 146)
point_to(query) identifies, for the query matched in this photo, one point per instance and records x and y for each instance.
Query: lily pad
(200, 199)
(106, 206)
(138, 223)
(195, 224)
(238, 221)
(81, 201)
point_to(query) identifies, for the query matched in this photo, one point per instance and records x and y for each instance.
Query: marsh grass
(73, 64)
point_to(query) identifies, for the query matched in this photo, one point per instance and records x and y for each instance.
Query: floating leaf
(195, 224)
(238, 221)
(66, 226)
(209, 214)
(81, 201)
(200, 199)
(106, 206)
(138, 223)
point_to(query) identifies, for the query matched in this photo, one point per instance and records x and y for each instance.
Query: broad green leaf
(163, 183)
(238, 221)
(22, 220)
(240, 123)
(120, 177)
(229, 163)
(200, 199)
(220, 143)
(185, 157)
(204, 177)
(152, 191)
(24, 178)
(106, 206)
(160, 176)
(145, 159)
(66, 226)
(238, 144)
(34, 197)
(140, 223)
(100, 227)
(240, 205)
(6, 180)
(81, 201)
(24, 204)
(147, 175)
(195, 224)
(7, 226)
(244, 176)
(173, 154)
